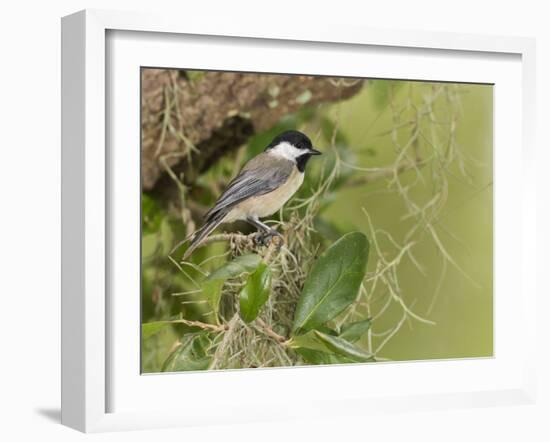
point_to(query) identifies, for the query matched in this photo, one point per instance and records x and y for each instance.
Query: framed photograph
(261, 223)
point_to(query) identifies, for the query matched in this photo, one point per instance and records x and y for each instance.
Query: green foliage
(212, 290)
(242, 264)
(157, 235)
(190, 356)
(317, 306)
(212, 285)
(331, 286)
(151, 216)
(318, 357)
(354, 331)
(318, 347)
(344, 348)
(255, 293)
(149, 329)
(158, 279)
(333, 282)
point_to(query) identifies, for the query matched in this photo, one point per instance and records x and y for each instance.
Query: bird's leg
(258, 224)
(267, 233)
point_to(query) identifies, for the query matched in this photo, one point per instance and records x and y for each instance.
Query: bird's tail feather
(202, 233)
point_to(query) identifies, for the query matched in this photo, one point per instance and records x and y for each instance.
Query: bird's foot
(266, 238)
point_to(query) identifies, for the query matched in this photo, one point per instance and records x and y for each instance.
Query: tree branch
(193, 120)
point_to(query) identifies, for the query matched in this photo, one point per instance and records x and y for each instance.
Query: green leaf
(149, 245)
(166, 236)
(189, 356)
(315, 351)
(353, 332)
(212, 285)
(151, 215)
(242, 264)
(344, 348)
(333, 282)
(313, 356)
(152, 328)
(255, 293)
(307, 340)
(327, 330)
(200, 345)
(318, 357)
(213, 292)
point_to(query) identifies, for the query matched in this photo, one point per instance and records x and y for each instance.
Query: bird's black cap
(294, 137)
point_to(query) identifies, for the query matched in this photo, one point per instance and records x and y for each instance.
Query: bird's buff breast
(268, 204)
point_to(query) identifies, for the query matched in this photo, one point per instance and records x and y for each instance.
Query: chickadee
(262, 187)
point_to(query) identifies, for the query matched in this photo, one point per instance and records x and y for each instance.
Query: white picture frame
(90, 324)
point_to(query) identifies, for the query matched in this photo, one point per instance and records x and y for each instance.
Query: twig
(203, 325)
(221, 237)
(264, 328)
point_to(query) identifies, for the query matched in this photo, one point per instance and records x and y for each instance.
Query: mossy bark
(191, 119)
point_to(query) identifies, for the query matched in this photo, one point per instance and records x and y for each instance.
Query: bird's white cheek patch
(286, 150)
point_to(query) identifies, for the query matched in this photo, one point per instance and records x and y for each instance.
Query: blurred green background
(463, 309)
(457, 295)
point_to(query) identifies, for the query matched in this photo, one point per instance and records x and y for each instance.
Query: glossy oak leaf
(344, 348)
(212, 285)
(242, 264)
(317, 357)
(255, 293)
(354, 331)
(333, 282)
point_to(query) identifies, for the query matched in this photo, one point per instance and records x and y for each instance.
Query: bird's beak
(314, 152)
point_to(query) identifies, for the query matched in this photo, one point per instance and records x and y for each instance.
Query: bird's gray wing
(258, 177)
